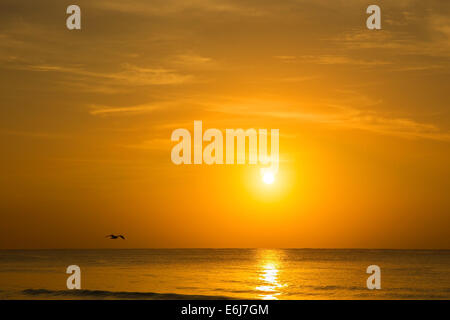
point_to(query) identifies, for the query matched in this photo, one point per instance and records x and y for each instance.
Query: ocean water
(225, 273)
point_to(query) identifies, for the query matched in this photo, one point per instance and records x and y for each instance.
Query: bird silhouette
(112, 236)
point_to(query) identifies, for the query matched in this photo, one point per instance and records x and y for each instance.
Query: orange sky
(86, 119)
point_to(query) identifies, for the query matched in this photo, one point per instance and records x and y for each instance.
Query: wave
(101, 294)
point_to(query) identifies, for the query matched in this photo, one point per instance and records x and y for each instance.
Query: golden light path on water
(271, 286)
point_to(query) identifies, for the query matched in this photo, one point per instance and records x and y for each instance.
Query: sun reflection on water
(271, 285)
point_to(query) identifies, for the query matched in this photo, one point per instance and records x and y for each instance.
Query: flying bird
(111, 236)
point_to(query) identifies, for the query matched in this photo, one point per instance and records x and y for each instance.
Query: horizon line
(230, 248)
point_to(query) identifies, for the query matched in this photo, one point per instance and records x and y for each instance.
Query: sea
(274, 274)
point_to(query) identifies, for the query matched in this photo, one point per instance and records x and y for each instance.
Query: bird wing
(122, 237)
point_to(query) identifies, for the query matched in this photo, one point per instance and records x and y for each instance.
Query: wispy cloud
(135, 75)
(107, 110)
(162, 7)
(400, 42)
(192, 59)
(151, 144)
(297, 79)
(336, 59)
(401, 127)
(128, 75)
(343, 116)
(288, 59)
(34, 134)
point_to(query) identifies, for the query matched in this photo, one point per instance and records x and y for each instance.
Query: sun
(268, 178)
